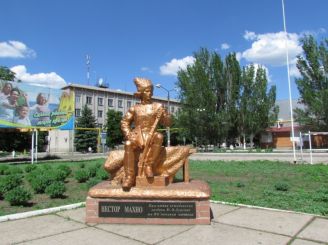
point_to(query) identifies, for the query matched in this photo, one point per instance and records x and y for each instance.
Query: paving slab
(284, 223)
(220, 209)
(225, 234)
(85, 236)
(150, 234)
(35, 227)
(304, 242)
(74, 214)
(317, 230)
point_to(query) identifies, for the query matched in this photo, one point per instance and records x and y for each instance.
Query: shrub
(92, 171)
(56, 175)
(18, 196)
(240, 184)
(39, 183)
(46, 167)
(282, 186)
(92, 182)
(13, 170)
(56, 189)
(102, 174)
(66, 169)
(30, 168)
(81, 175)
(82, 165)
(9, 182)
(3, 169)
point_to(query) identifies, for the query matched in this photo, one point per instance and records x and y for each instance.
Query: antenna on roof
(88, 62)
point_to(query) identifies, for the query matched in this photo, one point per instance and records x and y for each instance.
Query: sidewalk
(230, 225)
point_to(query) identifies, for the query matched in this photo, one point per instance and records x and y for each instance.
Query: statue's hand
(132, 136)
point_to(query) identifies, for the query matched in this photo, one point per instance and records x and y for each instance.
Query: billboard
(23, 105)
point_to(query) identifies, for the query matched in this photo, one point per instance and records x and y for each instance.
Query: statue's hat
(142, 83)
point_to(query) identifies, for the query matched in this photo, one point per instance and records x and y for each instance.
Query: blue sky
(45, 42)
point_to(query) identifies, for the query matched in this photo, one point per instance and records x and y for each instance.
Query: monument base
(178, 203)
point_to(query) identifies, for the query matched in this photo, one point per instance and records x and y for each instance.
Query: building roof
(107, 90)
(280, 129)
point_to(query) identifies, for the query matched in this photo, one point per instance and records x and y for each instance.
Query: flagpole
(288, 74)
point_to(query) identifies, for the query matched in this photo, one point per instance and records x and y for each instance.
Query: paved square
(87, 236)
(225, 234)
(74, 214)
(146, 233)
(317, 230)
(220, 209)
(35, 227)
(265, 220)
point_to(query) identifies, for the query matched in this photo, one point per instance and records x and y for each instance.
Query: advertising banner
(23, 105)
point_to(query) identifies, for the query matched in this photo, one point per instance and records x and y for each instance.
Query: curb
(40, 212)
(265, 208)
(81, 204)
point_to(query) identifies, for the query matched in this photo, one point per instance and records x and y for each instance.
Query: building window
(77, 99)
(77, 112)
(120, 103)
(172, 109)
(89, 100)
(128, 104)
(101, 101)
(110, 102)
(100, 114)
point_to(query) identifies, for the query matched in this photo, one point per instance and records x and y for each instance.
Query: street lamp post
(168, 108)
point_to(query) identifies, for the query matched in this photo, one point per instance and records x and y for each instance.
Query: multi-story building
(99, 100)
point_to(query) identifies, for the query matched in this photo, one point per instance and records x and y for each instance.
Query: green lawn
(261, 183)
(264, 183)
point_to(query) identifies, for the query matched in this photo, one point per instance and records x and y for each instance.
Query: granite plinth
(177, 203)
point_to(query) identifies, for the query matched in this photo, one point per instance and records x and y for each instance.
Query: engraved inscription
(177, 210)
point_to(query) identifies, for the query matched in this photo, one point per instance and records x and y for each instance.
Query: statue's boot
(129, 179)
(149, 171)
(128, 182)
(155, 150)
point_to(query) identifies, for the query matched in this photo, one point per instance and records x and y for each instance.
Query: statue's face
(147, 94)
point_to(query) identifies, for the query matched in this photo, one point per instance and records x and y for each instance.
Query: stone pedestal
(177, 203)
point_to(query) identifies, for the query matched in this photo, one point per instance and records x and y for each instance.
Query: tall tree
(202, 96)
(6, 74)
(113, 127)
(232, 74)
(257, 109)
(85, 138)
(313, 84)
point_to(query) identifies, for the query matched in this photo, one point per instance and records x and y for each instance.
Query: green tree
(257, 109)
(113, 127)
(85, 138)
(202, 96)
(313, 84)
(232, 74)
(6, 74)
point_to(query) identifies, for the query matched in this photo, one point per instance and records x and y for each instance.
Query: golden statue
(141, 189)
(144, 157)
(142, 141)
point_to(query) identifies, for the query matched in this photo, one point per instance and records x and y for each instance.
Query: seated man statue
(143, 144)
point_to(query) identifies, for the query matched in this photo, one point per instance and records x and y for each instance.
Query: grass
(75, 192)
(278, 185)
(272, 184)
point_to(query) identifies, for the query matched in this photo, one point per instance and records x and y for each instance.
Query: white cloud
(146, 69)
(51, 79)
(15, 49)
(270, 48)
(249, 35)
(171, 68)
(225, 46)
